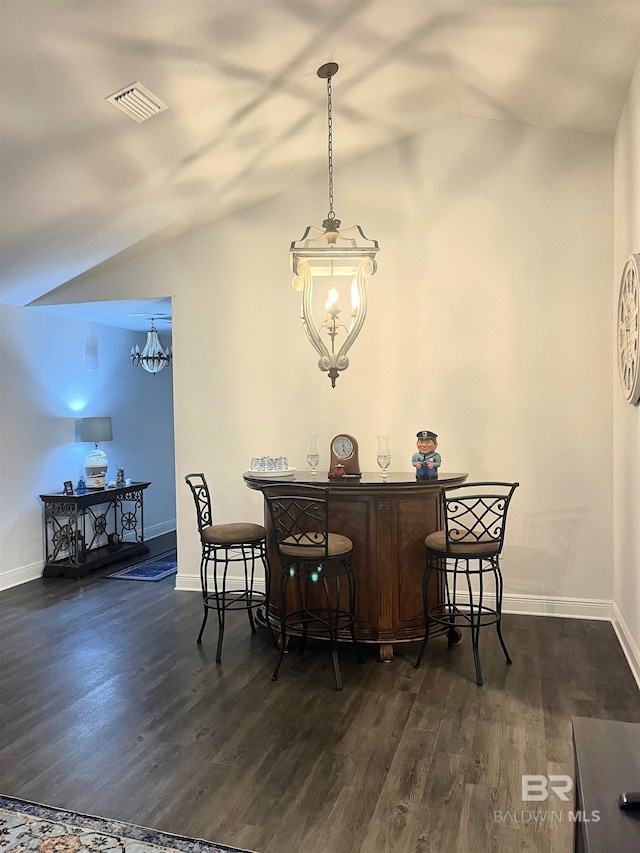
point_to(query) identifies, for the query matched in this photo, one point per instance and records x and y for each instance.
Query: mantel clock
(344, 457)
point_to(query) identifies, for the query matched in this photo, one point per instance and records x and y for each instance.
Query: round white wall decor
(629, 330)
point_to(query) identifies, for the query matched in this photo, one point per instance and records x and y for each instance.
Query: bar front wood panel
(387, 523)
(356, 519)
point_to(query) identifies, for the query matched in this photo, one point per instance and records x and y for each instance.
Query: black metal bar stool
(224, 545)
(468, 551)
(318, 564)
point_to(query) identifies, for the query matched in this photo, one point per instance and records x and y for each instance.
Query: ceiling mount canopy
(332, 259)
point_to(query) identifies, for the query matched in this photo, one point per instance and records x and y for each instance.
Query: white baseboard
(542, 605)
(567, 608)
(191, 583)
(151, 532)
(23, 574)
(160, 529)
(187, 583)
(629, 646)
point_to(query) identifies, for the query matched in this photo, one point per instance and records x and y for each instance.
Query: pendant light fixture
(155, 356)
(338, 264)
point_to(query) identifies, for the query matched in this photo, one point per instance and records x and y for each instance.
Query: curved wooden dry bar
(387, 522)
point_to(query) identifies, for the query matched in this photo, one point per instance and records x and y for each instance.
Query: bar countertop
(368, 478)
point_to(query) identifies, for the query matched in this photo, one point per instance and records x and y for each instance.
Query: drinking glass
(384, 454)
(313, 454)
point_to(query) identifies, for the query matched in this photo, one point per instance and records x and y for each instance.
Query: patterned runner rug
(26, 826)
(154, 569)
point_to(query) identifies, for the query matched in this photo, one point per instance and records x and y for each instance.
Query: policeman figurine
(426, 461)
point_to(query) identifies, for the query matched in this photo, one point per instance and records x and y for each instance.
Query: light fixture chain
(330, 124)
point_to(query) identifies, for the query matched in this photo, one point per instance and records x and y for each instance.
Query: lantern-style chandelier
(334, 261)
(155, 356)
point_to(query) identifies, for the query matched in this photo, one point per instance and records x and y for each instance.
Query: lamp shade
(95, 429)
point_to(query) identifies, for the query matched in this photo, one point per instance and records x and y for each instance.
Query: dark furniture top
(371, 480)
(92, 497)
(607, 763)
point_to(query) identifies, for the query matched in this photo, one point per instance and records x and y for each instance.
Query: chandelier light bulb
(333, 298)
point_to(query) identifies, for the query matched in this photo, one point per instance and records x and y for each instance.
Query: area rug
(154, 569)
(27, 827)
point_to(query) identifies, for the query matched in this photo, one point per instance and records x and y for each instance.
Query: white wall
(489, 322)
(626, 418)
(44, 388)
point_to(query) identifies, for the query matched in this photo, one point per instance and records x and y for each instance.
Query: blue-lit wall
(54, 370)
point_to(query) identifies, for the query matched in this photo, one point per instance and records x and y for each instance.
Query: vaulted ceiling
(82, 185)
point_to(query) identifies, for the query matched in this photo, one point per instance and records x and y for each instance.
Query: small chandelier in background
(333, 259)
(155, 356)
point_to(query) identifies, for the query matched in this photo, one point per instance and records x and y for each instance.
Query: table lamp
(96, 464)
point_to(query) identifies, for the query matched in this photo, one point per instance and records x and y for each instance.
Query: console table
(84, 532)
(387, 521)
(607, 763)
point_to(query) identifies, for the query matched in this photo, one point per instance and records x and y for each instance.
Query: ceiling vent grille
(137, 102)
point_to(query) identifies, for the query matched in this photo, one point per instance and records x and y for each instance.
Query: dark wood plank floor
(109, 707)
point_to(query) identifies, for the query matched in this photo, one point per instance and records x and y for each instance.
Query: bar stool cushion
(438, 542)
(236, 533)
(301, 546)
